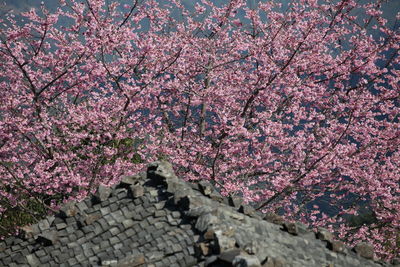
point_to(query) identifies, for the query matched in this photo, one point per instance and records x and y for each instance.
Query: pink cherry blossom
(294, 110)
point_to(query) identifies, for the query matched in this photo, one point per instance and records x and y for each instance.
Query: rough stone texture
(246, 261)
(274, 218)
(102, 193)
(137, 190)
(156, 219)
(68, 210)
(365, 250)
(337, 246)
(324, 235)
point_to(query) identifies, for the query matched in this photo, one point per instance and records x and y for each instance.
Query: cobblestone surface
(156, 219)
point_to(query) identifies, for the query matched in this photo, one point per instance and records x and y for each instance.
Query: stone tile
(122, 226)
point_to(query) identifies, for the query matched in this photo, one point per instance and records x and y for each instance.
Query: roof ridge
(170, 221)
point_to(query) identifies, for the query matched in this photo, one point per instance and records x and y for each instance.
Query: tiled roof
(157, 219)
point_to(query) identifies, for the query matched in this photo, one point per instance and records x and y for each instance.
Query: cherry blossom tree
(289, 107)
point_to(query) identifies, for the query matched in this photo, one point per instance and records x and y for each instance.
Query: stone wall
(157, 219)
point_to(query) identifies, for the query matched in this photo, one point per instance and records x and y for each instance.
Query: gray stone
(175, 185)
(153, 193)
(274, 218)
(226, 229)
(395, 261)
(176, 214)
(121, 193)
(51, 219)
(251, 248)
(296, 228)
(246, 261)
(210, 260)
(159, 205)
(32, 260)
(29, 231)
(209, 234)
(161, 171)
(69, 209)
(324, 235)
(224, 242)
(229, 255)
(247, 210)
(190, 261)
(204, 221)
(137, 190)
(132, 261)
(60, 226)
(48, 238)
(198, 211)
(82, 206)
(154, 255)
(216, 196)
(189, 202)
(204, 249)
(180, 190)
(91, 218)
(364, 250)
(337, 246)
(176, 248)
(205, 187)
(194, 186)
(44, 225)
(235, 201)
(160, 213)
(128, 180)
(274, 262)
(112, 262)
(102, 193)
